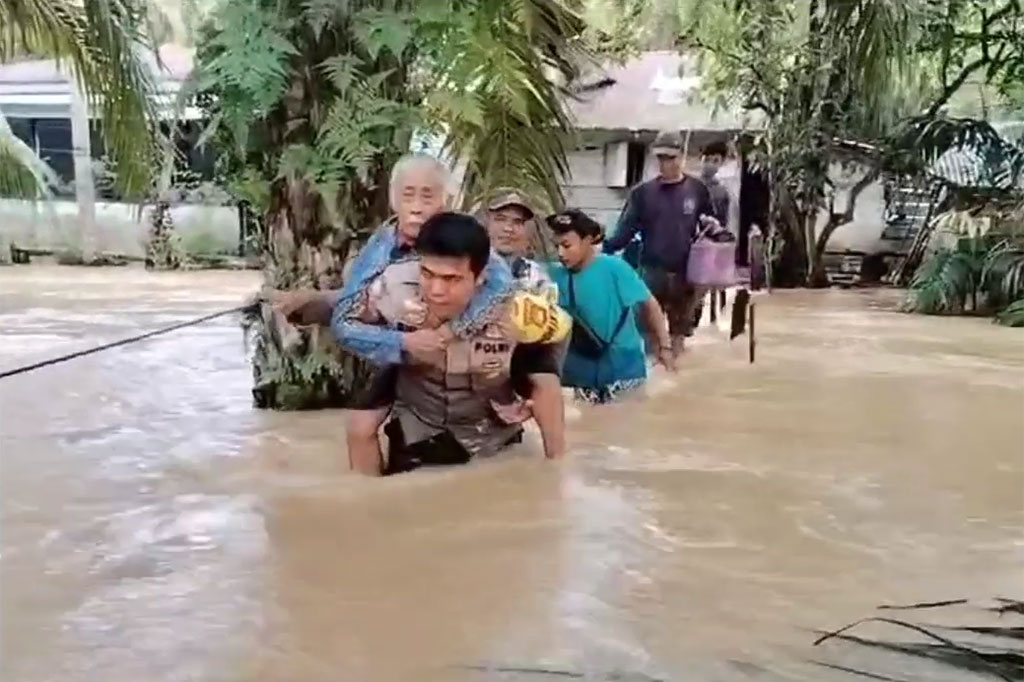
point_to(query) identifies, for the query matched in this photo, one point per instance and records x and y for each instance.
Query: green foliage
(948, 279)
(818, 72)
(326, 95)
(971, 40)
(493, 99)
(620, 28)
(308, 111)
(312, 102)
(982, 273)
(244, 62)
(1002, 274)
(1012, 315)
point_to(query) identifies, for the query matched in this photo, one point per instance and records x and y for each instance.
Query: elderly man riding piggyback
(418, 191)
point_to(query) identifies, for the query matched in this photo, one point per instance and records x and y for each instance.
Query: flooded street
(156, 527)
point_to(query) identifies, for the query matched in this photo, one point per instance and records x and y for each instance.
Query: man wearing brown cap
(667, 212)
(507, 219)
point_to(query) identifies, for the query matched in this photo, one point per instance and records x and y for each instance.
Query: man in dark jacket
(667, 212)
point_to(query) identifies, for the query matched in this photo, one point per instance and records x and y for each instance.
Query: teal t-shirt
(603, 290)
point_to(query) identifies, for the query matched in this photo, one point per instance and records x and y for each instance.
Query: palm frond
(105, 46)
(1002, 274)
(22, 173)
(962, 151)
(872, 37)
(498, 107)
(1012, 315)
(944, 283)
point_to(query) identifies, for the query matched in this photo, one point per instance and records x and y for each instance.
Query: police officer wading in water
(469, 398)
(417, 191)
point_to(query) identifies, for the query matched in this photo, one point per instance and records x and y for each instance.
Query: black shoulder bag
(584, 340)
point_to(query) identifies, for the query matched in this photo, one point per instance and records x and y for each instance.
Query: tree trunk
(163, 249)
(791, 267)
(297, 368)
(817, 278)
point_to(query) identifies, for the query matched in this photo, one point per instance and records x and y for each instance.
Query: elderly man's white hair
(411, 162)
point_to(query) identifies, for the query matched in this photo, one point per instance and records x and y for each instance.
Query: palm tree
(311, 102)
(494, 101)
(22, 173)
(103, 44)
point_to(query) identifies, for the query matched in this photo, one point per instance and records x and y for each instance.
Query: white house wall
(121, 228)
(864, 232)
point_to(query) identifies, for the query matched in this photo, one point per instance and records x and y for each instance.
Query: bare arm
(549, 413)
(654, 318)
(306, 306)
(535, 373)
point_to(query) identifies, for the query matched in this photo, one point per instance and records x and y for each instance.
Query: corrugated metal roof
(658, 90)
(970, 166)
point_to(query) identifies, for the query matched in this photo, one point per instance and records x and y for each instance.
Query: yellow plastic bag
(538, 319)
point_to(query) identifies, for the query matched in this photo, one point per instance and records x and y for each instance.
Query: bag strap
(579, 318)
(619, 325)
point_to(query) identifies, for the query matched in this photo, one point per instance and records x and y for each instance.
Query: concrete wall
(121, 228)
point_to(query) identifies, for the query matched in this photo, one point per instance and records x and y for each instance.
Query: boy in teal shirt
(602, 293)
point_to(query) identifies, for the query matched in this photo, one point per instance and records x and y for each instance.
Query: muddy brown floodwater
(157, 527)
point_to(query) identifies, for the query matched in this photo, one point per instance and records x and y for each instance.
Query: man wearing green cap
(507, 218)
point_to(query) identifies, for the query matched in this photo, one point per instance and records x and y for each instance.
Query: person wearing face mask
(712, 157)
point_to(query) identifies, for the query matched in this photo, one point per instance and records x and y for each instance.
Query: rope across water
(124, 342)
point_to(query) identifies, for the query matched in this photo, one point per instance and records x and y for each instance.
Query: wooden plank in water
(751, 342)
